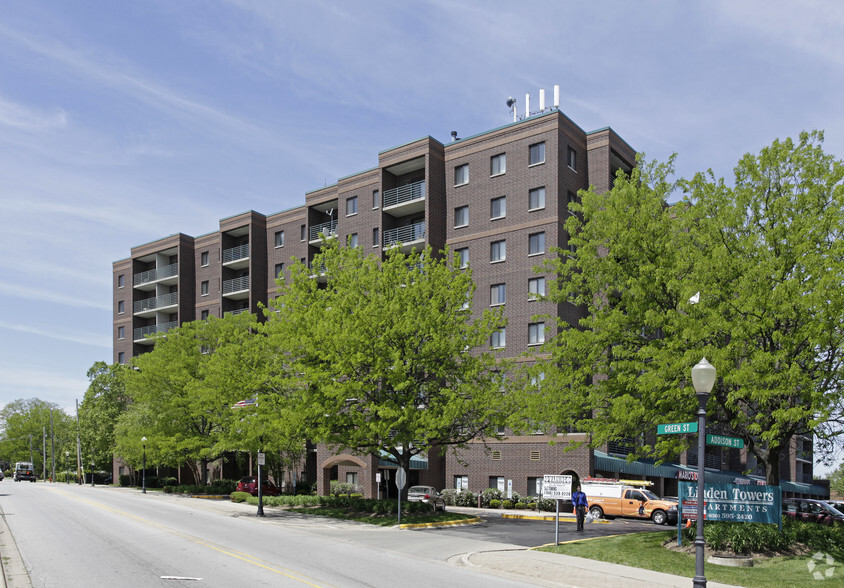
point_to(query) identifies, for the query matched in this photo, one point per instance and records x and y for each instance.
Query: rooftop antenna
(511, 104)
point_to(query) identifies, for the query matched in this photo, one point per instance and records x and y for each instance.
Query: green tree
(386, 356)
(180, 402)
(24, 422)
(766, 257)
(105, 400)
(836, 481)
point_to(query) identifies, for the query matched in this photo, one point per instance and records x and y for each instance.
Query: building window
(352, 478)
(203, 315)
(121, 307)
(120, 281)
(536, 198)
(351, 205)
(376, 237)
(537, 153)
(353, 240)
(498, 251)
(498, 207)
(302, 233)
(463, 254)
(121, 358)
(461, 216)
(497, 164)
(536, 288)
(376, 199)
(279, 238)
(461, 174)
(497, 294)
(203, 258)
(121, 332)
(498, 339)
(572, 159)
(279, 268)
(536, 244)
(536, 333)
(534, 486)
(203, 288)
(467, 301)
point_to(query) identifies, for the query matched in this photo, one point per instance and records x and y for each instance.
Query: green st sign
(676, 428)
(722, 441)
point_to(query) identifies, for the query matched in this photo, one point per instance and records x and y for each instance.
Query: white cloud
(98, 340)
(15, 291)
(20, 117)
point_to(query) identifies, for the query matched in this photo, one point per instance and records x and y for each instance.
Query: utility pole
(52, 446)
(44, 453)
(78, 448)
(31, 460)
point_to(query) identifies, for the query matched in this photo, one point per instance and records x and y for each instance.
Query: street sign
(722, 441)
(675, 428)
(262, 459)
(556, 487)
(401, 478)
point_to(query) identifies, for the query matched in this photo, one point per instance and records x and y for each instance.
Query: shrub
(489, 494)
(467, 498)
(124, 479)
(238, 496)
(508, 504)
(338, 488)
(743, 538)
(531, 506)
(495, 503)
(520, 506)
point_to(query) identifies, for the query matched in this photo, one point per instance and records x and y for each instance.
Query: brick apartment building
(500, 198)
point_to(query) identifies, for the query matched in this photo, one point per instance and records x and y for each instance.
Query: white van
(24, 470)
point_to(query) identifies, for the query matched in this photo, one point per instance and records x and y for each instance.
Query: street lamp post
(66, 471)
(703, 379)
(92, 474)
(144, 473)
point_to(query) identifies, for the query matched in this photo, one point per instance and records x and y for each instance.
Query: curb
(550, 518)
(473, 521)
(15, 574)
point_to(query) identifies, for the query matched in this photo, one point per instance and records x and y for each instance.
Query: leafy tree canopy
(24, 422)
(767, 258)
(384, 354)
(105, 400)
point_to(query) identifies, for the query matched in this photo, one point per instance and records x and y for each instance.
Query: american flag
(248, 402)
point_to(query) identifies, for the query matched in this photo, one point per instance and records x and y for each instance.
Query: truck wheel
(596, 512)
(659, 517)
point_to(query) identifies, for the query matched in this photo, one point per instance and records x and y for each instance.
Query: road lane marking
(199, 541)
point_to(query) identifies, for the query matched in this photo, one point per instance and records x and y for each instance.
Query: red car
(250, 484)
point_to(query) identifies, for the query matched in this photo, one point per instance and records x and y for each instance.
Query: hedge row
(744, 538)
(353, 503)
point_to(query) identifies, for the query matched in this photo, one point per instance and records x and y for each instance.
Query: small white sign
(556, 487)
(262, 459)
(509, 488)
(378, 478)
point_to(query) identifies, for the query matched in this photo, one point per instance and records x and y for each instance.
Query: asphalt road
(534, 533)
(72, 536)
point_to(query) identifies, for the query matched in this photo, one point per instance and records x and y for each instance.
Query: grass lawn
(645, 550)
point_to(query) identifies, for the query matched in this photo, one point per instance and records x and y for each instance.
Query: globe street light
(703, 379)
(144, 474)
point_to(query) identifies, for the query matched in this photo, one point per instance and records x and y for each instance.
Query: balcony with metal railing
(149, 306)
(153, 276)
(140, 334)
(408, 236)
(328, 230)
(236, 288)
(237, 311)
(236, 257)
(411, 196)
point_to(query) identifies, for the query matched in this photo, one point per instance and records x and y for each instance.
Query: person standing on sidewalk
(578, 499)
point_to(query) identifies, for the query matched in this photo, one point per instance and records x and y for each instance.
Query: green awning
(417, 462)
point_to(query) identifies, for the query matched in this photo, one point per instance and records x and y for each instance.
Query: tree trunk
(772, 467)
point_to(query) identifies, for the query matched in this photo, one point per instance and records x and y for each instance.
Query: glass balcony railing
(235, 253)
(154, 275)
(148, 304)
(403, 194)
(142, 332)
(328, 229)
(405, 234)
(236, 285)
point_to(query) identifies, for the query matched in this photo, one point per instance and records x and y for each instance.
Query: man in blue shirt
(578, 499)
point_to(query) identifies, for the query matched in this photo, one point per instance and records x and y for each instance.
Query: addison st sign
(733, 503)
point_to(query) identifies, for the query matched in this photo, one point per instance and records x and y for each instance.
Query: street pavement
(507, 561)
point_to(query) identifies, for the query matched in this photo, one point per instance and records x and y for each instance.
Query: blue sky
(121, 123)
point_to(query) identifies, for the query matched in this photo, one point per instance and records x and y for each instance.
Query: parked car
(426, 494)
(250, 484)
(814, 511)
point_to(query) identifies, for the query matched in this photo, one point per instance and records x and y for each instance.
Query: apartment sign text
(733, 503)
